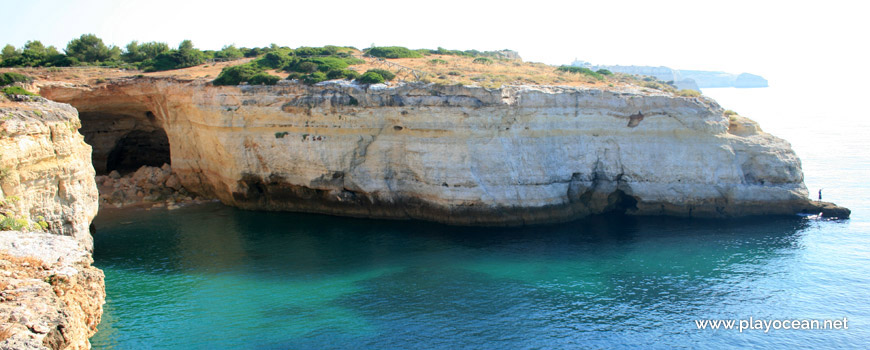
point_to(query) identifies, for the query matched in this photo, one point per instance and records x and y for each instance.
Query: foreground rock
(459, 155)
(50, 295)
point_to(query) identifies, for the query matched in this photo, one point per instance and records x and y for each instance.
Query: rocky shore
(50, 295)
(148, 186)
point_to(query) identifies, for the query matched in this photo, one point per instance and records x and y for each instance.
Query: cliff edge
(50, 295)
(453, 154)
(46, 174)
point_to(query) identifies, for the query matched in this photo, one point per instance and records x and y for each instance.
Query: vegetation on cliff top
(89, 50)
(9, 78)
(490, 69)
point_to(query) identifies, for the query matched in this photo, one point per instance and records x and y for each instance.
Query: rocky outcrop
(45, 168)
(150, 186)
(458, 155)
(50, 295)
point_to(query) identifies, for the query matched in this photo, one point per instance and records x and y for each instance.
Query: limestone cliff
(46, 168)
(50, 295)
(455, 154)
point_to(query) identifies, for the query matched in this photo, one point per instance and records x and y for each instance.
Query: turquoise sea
(214, 277)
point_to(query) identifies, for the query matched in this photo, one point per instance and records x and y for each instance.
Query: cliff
(453, 154)
(46, 168)
(50, 295)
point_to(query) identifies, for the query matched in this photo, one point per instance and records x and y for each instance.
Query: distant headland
(685, 79)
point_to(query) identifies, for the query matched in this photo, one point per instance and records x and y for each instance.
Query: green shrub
(306, 67)
(40, 224)
(323, 64)
(305, 51)
(326, 64)
(350, 74)
(314, 78)
(604, 72)
(353, 60)
(263, 79)
(454, 73)
(437, 61)
(443, 51)
(387, 75)
(393, 52)
(688, 93)
(295, 76)
(482, 60)
(136, 52)
(15, 90)
(235, 75)
(12, 77)
(280, 135)
(185, 56)
(580, 70)
(370, 78)
(274, 60)
(11, 223)
(229, 52)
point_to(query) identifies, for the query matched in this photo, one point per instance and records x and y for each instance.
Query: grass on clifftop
(15, 90)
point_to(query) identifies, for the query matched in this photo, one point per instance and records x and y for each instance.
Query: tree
(185, 45)
(141, 52)
(229, 52)
(185, 56)
(90, 48)
(131, 53)
(34, 54)
(152, 49)
(35, 46)
(9, 53)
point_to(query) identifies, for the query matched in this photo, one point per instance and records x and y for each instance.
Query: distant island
(686, 79)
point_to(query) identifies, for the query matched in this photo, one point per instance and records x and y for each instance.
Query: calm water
(209, 277)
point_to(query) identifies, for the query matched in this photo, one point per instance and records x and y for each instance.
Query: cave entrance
(124, 140)
(620, 202)
(138, 148)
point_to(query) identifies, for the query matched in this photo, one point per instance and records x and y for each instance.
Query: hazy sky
(777, 39)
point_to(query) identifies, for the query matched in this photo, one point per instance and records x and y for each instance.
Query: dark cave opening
(124, 140)
(619, 202)
(138, 148)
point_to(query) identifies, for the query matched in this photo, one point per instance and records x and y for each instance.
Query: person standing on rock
(820, 194)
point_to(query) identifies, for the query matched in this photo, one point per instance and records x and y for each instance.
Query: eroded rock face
(50, 295)
(459, 155)
(46, 168)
